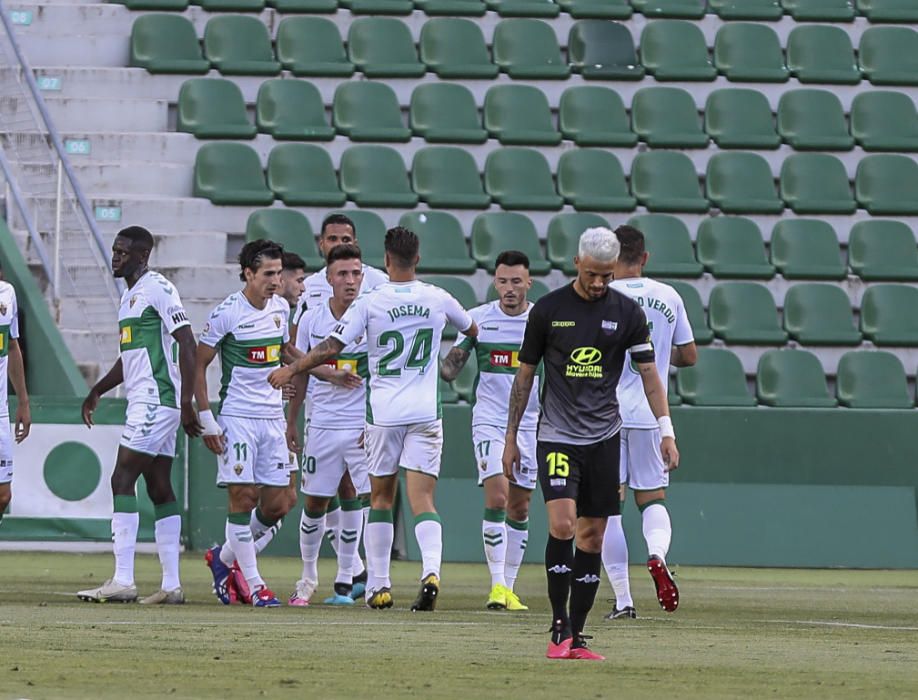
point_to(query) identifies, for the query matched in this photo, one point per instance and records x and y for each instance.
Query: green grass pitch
(738, 632)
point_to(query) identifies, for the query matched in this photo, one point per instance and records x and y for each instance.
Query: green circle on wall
(72, 471)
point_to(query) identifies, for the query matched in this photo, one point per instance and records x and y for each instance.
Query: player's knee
(346, 491)
(5, 497)
(160, 493)
(496, 499)
(518, 512)
(381, 501)
(122, 483)
(276, 509)
(589, 538)
(563, 528)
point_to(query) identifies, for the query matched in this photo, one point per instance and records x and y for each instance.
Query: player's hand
(89, 405)
(343, 378)
(212, 433)
(190, 422)
(293, 437)
(215, 443)
(23, 422)
(280, 376)
(288, 391)
(670, 454)
(510, 459)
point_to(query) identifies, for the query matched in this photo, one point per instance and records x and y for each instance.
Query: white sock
(239, 538)
(494, 536)
(378, 539)
(359, 566)
(615, 560)
(265, 538)
(168, 532)
(312, 529)
(333, 527)
(227, 555)
(658, 530)
(348, 539)
(517, 539)
(429, 534)
(124, 536)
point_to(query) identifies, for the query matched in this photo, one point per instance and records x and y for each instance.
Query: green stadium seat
(884, 121)
(806, 249)
(378, 7)
(458, 287)
(747, 52)
(371, 235)
(564, 231)
(538, 290)
(444, 248)
(819, 314)
(676, 50)
(687, 9)
(716, 379)
(883, 251)
(292, 110)
(239, 45)
(669, 243)
(304, 6)
(888, 10)
(165, 43)
(742, 183)
(445, 113)
(596, 9)
(744, 313)
(591, 179)
(527, 49)
(816, 183)
(312, 46)
(762, 10)
(792, 379)
(872, 379)
(466, 381)
(740, 118)
(822, 54)
(673, 395)
(447, 177)
(499, 231)
(289, 228)
(519, 115)
(454, 48)
(602, 50)
(213, 108)
(590, 115)
(524, 8)
(519, 178)
(230, 173)
(302, 175)
(231, 5)
(694, 309)
(887, 184)
(666, 181)
(382, 47)
(467, 8)
(666, 117)
(374, 176)
(365, 110)
(813, 120)
(820, 10)
(889, 55)
(732, 246)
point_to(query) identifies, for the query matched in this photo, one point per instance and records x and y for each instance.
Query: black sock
(559, 562)
(584, 584)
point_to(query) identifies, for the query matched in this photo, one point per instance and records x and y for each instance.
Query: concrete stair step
(137, 177)
(89, 114)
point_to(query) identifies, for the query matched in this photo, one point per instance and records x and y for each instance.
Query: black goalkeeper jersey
(582, 345)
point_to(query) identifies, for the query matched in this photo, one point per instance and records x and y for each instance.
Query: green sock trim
(314, 514)
(421, 517)
(650, 503)
(378, 515)
(264, 519)
(495, 515)
(125, 504)
(334, 504)
(365, 501)
(239, 518)
(518, 524)
(351, 504)
(166, 510)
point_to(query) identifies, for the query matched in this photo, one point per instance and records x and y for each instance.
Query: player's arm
(684, 355)
(453, 363)
(656, 397)
(320, 354)
(17, 377)
(113, 378)
(211, 431)
(519, 399)
(186, 360)
(300, 382)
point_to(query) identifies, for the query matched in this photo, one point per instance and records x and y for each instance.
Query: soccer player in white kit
(642, 467)
(501, 324)
(157, 369)
(402, 321)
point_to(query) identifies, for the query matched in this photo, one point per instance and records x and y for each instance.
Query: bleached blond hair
(599, 243)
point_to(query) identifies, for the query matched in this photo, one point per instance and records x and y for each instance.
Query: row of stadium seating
(303, 174)
(452, 47)
(661, 117)
(760, 10)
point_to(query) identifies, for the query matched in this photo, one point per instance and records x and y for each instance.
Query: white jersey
(9, 330)
(669, 326)
(250, 342)
(402, 322)
(317, 289)
(497, 350)
(334, 407)
(151, 311)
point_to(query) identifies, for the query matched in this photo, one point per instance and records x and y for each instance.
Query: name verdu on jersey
(657, 305)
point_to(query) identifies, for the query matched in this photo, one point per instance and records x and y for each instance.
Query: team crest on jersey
(2, 309)
(132, 301)
(206, 328)
(609, 327)
(238, 469)
(483, 465)
(277, 321)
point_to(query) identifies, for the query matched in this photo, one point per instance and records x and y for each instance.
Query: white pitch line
(251, 623)
(830, 623)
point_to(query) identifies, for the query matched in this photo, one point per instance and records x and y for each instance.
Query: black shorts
(588, 474)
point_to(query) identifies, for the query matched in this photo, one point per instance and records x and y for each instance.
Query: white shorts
(417, 447)
(489, 449)
(328, 454)
(642, 466)
(151, 429)
(256, 452)
(6, 451)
